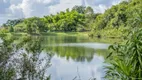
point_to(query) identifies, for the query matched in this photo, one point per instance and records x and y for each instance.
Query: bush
(126, 60)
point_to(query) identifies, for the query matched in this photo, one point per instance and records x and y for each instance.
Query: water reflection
(62, 69)
(73, 60)
(79, 54)
(50, 40)
(87, 45)
(62, 57)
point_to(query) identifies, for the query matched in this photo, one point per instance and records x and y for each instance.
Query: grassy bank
(67, 33)
(102, 39)
(110, 33)
(85, 34)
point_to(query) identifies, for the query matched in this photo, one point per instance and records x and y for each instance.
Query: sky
(13, 9)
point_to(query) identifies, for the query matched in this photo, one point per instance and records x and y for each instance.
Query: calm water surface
(70, 57)
(75, 58)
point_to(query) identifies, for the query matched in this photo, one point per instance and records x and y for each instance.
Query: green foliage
(89, 12)
(34, 25)
(27, 64)
(3, 30)
(78, 54)
(79, 9)
(119, 16)
(11, 29)
(121, 32)
(90, 18)
(126, 60)
(64, 21)
(12, 22)
(21, 27)
(79, 18)
(6, 72)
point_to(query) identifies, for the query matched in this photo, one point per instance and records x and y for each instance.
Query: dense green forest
(119, 19)
(77, 19)
(114, 22)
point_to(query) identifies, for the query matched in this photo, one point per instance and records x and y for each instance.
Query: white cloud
(100, 8)
(36, 7)
(4, 1)
(116, 2)
(16, 2)
(16, 10)
(26, 7)
(64, 5)
(5, 17)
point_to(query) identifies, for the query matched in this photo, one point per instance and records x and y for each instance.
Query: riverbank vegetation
(116, 21)
(119, 19)
(73, 20)
(19, 58)
(126, 59)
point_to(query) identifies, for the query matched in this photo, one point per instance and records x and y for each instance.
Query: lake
(75, 58)
(68, 57)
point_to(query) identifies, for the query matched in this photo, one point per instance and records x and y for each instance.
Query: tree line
(77, 19)
(119, 19)
(116, 21)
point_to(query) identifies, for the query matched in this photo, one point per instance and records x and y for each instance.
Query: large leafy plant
(126, 59)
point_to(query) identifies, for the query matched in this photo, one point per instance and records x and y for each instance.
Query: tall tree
(79, 9)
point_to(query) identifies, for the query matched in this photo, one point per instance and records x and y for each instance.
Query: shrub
(126, 63)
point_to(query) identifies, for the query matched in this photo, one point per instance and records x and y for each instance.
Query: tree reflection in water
(28, 57)
(78, 54)
(24, 60)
